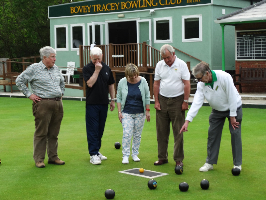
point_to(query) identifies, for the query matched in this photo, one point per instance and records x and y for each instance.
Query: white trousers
(132, 127)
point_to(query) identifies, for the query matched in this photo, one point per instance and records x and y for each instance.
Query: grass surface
(78, 179)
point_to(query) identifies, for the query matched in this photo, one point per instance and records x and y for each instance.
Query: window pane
(61, 37)
(162, 30)
(97, 34)
(77, 36)
(90, 35)
(191, 28)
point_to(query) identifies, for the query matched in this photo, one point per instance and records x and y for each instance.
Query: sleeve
(156, 74)
(86, 73)
(185, 72)
(197, 103)
(111, 77)
(23, 79)
(230, 91)
(147, 92)
(119, 92)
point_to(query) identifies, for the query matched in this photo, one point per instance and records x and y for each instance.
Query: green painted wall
(209, 49)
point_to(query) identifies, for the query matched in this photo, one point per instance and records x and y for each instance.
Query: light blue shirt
(44, 82)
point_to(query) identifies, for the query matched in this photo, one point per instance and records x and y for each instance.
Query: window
(192, 28)
(61, 37)
(251, 45)
(97, 34)
(77, 36)
(163, 30)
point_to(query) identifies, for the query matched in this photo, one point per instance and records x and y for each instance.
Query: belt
(52, 99)
(169, 97)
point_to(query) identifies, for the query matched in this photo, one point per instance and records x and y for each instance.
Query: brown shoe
(160, 162)
(179, 163)
(57, 162)
(40, 164)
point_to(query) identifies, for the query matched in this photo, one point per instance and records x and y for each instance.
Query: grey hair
(201, 68)
(46, 51)
(96, 51)
(167, 47)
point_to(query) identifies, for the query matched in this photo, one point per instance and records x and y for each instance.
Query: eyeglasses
(199, 79)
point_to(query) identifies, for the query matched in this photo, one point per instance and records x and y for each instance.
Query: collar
(172, 64)
(214, 78)
(44, 66)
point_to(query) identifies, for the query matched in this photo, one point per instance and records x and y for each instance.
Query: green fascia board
(242, 22)
(108, 6)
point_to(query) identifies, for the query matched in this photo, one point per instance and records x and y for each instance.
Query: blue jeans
(95, 122)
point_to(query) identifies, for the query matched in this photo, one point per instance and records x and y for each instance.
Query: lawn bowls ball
(204, 184)
(117, 145)
(183, 186)
(141, 170)
(235, 171)
(152, 184)
(179, 169)
(109, 194)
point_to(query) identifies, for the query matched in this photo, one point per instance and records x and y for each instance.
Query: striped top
(44, 82)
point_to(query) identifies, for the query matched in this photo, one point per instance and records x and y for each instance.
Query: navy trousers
(95, 122)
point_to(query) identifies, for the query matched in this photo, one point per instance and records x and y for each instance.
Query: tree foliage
(24, 26)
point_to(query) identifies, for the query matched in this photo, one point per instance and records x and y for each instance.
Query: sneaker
(135, 158)
(239, 167)
(95, 160)
(125, 160)
(206, 167)
(101, 156)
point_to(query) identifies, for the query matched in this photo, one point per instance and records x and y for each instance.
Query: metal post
(223, 50)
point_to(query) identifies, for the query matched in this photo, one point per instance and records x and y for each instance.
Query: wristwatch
(186, 101)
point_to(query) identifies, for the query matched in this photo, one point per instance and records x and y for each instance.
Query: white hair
(46, 51)
(96, 51)
(166, 47)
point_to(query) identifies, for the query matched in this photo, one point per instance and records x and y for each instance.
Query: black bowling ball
(152, 184)
(183, 186)
(204, 184)
(109, 194)
(117, 145)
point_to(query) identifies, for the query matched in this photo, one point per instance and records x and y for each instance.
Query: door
(144, 35)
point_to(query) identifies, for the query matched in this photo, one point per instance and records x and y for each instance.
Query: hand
(120, 116)
(184, 106)
(112, 105)
(35, 98)
(157, 105)
(234, 123)
(148, 117)
(98, 66)
(184, 127)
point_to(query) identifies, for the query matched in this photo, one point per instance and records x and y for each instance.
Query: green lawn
(78, 179)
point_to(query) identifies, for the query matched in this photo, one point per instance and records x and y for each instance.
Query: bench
(255, 77)
(9, 79)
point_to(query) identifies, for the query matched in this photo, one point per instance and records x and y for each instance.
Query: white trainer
(239, 167)
(135, 158)
(206, 167)
(101, 156)
(125, 160)
(95, 160)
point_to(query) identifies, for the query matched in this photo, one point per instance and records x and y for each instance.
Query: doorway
(122, 32)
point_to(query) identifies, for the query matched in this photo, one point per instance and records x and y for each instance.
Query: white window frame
(199, 39)
(92, 24)
(71, 35)
(170, 40)
(55, 39)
